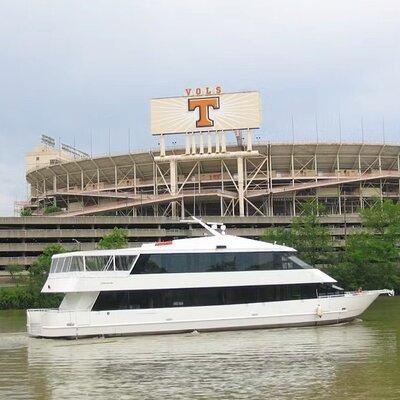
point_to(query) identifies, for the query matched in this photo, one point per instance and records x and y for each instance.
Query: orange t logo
(204, 104)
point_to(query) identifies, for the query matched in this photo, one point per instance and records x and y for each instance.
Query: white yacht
(217, 282)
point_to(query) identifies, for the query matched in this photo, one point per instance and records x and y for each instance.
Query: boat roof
(191, 245)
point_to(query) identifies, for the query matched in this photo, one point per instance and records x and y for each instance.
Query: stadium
(268, 180)
(75, 199)
(220, 174)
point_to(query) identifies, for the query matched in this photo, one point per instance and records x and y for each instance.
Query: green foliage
(371, 259)
(51, 209)
(40, 268)
(28, 294)
(22, 297)
(116, 239)
(383, 218)
(26, 212)
(16, 272)
(307, 235)
(372, 256)
(283, 236)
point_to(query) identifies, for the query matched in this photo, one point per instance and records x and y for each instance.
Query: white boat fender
(319, 311)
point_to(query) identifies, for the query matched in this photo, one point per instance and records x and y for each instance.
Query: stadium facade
(248, 186)
(265, 180)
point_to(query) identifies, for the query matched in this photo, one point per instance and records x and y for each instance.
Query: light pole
(78, 243)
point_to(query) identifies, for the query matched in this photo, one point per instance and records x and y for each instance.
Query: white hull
(318, 311)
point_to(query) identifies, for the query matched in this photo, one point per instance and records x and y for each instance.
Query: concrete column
(294, 203)
(199, 176)
(182, 209)
(55, 183)
(223, 142)
(316, 168)
(209, 151)
(115, 179)
(249, 140)
(337, 165)
(240, 186)
(134, 179)
(82, 186)
(201, 143)
(217, 142)
(162, 146)
(173, 184)
(292, 168)
(193, 144)
(98, 179)
(187, 147)
(155, 186)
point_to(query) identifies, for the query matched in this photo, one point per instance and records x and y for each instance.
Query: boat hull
(310, 312)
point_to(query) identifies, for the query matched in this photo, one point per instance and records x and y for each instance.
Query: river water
(358, 360)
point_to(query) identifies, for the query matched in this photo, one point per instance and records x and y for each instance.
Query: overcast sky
(68, 68)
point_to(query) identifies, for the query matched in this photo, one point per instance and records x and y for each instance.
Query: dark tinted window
(211, 262)
(191, 297)
(124, 263)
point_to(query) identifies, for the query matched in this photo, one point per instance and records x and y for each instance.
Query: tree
(29, 294)
(16, 272)
(51, 209)
(26, 212)
(307, 235)
(372, 256)
(116, 239)
(40, 268)
(382, 218)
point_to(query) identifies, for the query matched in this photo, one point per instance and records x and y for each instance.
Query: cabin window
(294, 262)
(214, 262)
(93, 263)
(76, 263)
(55, 265)
(99, 263)
(124, 263)
(195, 297)
(66, 264)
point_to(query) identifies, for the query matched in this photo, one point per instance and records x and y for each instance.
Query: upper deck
(123, 259)
(210, 261)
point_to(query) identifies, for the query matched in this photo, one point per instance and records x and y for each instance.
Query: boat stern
(34, 321)
(50, 323)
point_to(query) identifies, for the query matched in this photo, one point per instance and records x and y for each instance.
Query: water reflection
(264, 364)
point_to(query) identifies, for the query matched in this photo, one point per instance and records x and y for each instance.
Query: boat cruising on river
(216, 282)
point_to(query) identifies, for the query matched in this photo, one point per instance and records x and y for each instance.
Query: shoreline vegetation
(27, 285)
(370, 258)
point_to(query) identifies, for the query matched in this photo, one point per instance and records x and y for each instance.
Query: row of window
(195, 297)
(212, 262)
(180, 262)
(92, 263)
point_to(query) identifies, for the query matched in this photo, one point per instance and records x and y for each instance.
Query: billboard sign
(205, 111)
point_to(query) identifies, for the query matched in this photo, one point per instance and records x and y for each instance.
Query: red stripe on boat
(166, 243)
